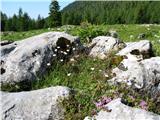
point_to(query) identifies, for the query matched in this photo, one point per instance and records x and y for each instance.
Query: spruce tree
(54, 14)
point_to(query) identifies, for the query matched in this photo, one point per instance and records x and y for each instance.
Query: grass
(86, 76)
(87, 31)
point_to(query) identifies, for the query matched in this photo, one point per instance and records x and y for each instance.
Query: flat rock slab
(119, 111)
(34, 105)
(24, 60)
(101, 46)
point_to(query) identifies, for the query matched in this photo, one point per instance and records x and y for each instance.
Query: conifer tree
(54, 14)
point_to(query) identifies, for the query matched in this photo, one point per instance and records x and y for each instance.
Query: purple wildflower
(143, 105)
(103, 102)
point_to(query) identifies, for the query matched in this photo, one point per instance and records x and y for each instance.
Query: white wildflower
(65, 53)
(106, 75)
(67, 45)
(61, 51)
(72, 60)
(92, 69)
(67, 50)
(54, 55)
(100, 70)
(61, 60)
(73, 49)
(55, 50)
(58, 47)
(48, 64)
(69, 74)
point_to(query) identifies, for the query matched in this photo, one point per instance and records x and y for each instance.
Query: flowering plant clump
(102, 102)
(143, 105)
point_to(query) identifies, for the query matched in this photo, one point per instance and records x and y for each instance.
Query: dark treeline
(112, 12)
(21, 22)
(94, 12)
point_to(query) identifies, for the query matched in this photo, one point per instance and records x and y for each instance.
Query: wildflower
(72, 60)
(55, 50)
(69, 74)
(100, 70)
(61, 51)
(107, 99)
(65, 53)
(48, 64)
(67, 45)
(103, 102)
(58, 47)
(73, 49)
(61, 60)
(106, 75)
(143, 105)
(67, 50)
(54, 55)
(92, 69)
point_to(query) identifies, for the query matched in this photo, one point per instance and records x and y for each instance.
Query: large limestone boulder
(137, 50)
(143, 75)
(101, 46)
(34, 105)
(28, 58)
(116, 110)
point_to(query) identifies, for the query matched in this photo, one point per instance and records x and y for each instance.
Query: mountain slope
(111, 12)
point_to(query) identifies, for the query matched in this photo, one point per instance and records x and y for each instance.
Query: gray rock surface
(34, 105)
(101, 46)
(120, 111)
(142, 75)
(32, 56)
(137, 50)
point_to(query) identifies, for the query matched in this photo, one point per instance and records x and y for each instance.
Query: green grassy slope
(85, 75)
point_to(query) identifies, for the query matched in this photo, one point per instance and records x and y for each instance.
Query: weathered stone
(137, 50)
(7, 47)
(119, 111)
(34, 105)
(30, 56)
(101, 46)
(143, 75)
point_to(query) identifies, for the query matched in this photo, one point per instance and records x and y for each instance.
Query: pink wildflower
(143, 105)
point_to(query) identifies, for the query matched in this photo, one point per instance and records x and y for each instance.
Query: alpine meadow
(88, 60)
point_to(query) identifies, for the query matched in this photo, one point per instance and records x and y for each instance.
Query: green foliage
(111, 12)
(55, 14)
(14, 36)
